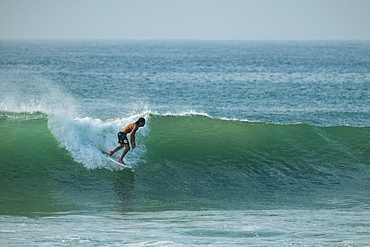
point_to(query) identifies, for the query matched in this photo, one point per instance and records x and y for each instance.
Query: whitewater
(246, 143)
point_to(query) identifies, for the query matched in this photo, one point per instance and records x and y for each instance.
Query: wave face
(240, 159)
(189, 159)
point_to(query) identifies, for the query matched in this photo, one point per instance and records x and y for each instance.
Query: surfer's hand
(133, 146)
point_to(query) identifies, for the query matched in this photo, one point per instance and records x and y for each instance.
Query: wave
(190, 157)
(194, 140)
(256, 147)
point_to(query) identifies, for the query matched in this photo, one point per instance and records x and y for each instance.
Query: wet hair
(140, 120)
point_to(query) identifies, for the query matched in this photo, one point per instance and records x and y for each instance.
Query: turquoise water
(246, 143)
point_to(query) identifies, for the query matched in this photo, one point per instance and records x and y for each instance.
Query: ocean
(247, 143)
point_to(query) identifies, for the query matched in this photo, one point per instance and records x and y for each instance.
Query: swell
(48, 162)
(254, 147)
(193, 141)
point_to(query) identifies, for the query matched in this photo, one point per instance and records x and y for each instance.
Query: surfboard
(105, 152)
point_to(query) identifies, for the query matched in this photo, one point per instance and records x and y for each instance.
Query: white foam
(80, 136)
(188, 113)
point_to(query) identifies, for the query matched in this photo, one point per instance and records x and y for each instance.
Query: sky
(186, 19)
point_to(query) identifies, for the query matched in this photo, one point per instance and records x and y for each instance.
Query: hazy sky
(185, 19)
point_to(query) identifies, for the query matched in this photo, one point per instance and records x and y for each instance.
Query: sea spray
(31, 92)
(82, 136)
(79, 135)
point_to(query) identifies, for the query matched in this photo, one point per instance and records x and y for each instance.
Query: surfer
(123, 140)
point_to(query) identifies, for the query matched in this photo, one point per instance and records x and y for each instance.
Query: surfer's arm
(132, 136)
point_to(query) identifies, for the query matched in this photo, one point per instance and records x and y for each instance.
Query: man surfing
(123, 140)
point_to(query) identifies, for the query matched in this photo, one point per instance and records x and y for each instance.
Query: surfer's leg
(116, 149)
(123, 141)
(127, 148)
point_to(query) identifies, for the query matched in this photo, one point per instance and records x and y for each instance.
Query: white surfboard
(105, 152)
